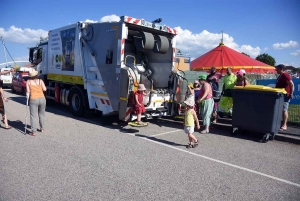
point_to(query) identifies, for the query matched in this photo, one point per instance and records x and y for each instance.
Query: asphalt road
(100, 158)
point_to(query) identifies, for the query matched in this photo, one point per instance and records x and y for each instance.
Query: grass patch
(294, 114)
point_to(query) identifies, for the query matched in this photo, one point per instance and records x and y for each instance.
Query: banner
(272, 83)
(62, 44)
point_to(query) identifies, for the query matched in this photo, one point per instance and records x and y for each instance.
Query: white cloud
(266, 48)
(110, 18)
(197, 44)
(22, 58)
(90, 21)
(252, 51)
(290, 44)
(19, 35)
(296, 53)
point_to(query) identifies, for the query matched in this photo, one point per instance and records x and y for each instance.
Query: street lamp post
(4, 50)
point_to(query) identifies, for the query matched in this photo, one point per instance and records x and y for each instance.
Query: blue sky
(253, 27)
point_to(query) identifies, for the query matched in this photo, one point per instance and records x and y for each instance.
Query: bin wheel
(272, 137)
(234, 131)
(266, 138)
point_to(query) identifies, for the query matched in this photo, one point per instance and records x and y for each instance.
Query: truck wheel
(76, 99)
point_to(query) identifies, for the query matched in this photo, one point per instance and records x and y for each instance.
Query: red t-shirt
(282, 82)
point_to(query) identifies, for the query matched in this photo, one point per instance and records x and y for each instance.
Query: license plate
(6, 81)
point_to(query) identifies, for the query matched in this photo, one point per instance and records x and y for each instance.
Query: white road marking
(224, 163)
(166, 133)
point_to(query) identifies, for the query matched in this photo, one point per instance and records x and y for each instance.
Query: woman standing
(4, 99)
(206, 102)
(37, 105)
(241, 79)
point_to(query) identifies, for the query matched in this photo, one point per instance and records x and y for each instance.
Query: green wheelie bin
(257, 108)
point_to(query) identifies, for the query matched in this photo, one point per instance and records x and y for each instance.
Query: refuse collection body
(257, 108)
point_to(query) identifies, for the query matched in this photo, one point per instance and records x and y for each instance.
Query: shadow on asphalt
(160, 140)
(17, 125)
(223, 127)
(215, 129)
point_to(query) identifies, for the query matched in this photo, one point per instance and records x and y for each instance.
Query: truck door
(41, 59)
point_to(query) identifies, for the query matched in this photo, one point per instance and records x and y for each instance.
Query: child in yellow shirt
(189, 123)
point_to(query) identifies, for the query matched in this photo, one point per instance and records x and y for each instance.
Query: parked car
(19, 82)
(7, 78)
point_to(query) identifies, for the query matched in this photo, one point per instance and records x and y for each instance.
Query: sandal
(204, 132)
(32, 134)
(283, 129)
(189, 146)
(196, 144)
(9, 127)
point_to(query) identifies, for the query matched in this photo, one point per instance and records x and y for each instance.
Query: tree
(267, 59)
(178, 50)
(246, 54)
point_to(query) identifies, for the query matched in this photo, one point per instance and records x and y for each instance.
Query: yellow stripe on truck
(98, 94)
(66, 78)
(123, 98)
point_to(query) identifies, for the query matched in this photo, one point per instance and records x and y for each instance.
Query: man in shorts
(284, 80)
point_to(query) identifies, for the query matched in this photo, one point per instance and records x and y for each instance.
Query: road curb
(285, 138)
(278, 137)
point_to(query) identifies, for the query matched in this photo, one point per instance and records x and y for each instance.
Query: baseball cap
(202, 77)
(280, 66)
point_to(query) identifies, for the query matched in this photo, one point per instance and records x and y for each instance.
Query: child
(139, 107)
(189, 122)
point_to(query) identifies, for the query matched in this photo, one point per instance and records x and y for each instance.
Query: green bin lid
(261, 88)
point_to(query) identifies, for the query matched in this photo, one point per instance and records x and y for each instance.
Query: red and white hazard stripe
(122, 49)
(128, 112)
(173, 31)
(104, 102)
(132, 20)
(136, 21)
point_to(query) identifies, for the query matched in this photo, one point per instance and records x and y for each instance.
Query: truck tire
(77, 102)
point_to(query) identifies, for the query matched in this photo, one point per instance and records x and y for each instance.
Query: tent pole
(222, 53)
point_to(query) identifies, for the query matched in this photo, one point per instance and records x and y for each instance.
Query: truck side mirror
(31, 55)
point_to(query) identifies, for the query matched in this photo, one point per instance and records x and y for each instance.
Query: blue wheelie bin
(257, 108)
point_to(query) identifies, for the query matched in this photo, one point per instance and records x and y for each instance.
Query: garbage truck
(98, 67)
